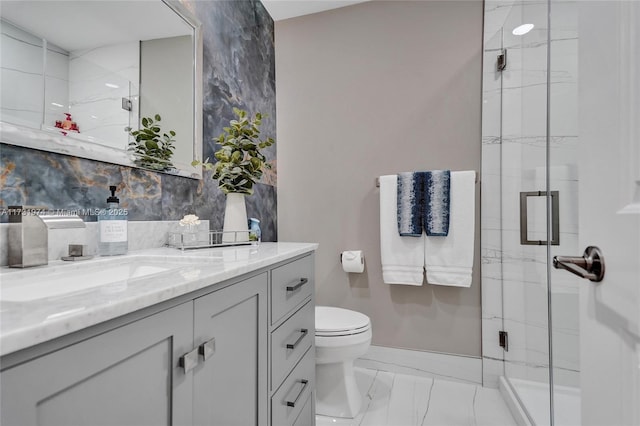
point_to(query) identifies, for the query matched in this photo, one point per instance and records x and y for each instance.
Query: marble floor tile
(451, 404)
(394, 399)
(409, 401)
(378, 396)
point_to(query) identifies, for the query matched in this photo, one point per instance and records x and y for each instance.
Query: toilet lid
(332, 321)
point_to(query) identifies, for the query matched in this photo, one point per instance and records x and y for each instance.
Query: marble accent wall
(239, 71)
(514, 149)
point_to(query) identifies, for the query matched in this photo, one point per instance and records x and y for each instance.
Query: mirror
(79, 77)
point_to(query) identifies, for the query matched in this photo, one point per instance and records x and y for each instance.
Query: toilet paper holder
(340, 256)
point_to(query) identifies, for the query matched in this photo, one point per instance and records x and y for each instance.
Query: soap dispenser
(255, 234)
(112, 223)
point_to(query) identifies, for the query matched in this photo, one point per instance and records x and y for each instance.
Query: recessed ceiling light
(111, 85)
(522, 29)
(57, 104)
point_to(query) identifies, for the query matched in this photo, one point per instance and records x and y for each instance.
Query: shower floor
(534, 397)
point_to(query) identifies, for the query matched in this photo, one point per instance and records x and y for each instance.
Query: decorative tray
(206, 239)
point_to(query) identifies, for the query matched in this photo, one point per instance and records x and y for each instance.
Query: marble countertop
(28, 318)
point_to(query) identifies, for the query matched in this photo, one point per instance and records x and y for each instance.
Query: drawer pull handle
(207, 349)
(302, 282)
(304, 386)
(189, 360)
(303, 334)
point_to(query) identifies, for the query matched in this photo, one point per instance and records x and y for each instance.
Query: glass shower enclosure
(530, 201)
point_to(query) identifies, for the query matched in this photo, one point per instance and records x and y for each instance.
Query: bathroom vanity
(216, 336)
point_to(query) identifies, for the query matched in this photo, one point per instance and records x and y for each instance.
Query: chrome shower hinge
(501, 64)
(127, 105)
(503, 336)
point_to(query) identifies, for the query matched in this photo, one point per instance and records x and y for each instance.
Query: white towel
(449, 260)
(402, 257)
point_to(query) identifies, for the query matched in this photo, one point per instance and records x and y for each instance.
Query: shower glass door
(524, 220)
(563, 177)
(560, 172)
(515, 152)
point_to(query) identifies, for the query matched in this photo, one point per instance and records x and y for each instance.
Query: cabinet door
(127, 376)
(230, 382)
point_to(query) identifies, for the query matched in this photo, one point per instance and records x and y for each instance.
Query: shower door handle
(555, 218)
(589, 266)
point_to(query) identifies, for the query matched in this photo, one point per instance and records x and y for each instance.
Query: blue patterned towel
(410, 204)
(437, 191)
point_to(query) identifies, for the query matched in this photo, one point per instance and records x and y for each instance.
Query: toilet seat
(333, 322)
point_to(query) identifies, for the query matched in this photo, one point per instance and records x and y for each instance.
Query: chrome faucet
(29, 234)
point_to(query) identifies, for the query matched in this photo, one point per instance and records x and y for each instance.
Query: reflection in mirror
(76, 76)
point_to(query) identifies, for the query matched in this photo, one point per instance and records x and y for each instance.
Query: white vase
(235, 219)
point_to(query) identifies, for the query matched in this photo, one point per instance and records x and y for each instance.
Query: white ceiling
(75, 25)
(285, 9)
(104, 22)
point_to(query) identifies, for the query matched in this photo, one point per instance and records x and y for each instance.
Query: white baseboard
(457, 368)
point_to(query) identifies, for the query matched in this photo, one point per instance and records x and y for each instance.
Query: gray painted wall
(372, 89)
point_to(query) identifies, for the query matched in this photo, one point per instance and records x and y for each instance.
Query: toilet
(341, 337)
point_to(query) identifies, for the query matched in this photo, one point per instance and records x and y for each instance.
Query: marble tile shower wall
(56, 84)
(96, 92)
(22, 85)
(70, 80)
(514, 155)
(239, 71)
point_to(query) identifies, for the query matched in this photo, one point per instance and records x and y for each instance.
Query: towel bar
(378, 180)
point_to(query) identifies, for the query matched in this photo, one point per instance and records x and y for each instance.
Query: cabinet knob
(302, 282)
(189, 360)
(207, 348)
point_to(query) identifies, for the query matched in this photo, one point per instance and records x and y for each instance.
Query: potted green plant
(239, 166)
(152, 148)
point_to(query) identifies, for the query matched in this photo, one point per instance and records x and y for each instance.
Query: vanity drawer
(306, 417)
(290, 342)
(291, 284)
(289, 401)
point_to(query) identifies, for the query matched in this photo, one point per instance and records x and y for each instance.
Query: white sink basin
(108, 275)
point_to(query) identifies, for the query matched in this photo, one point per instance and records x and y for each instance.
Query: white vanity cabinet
(206, 358)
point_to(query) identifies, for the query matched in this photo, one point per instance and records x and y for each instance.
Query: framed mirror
(81, 77)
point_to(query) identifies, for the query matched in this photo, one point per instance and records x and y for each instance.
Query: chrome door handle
(555, 218)
(589, 266)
